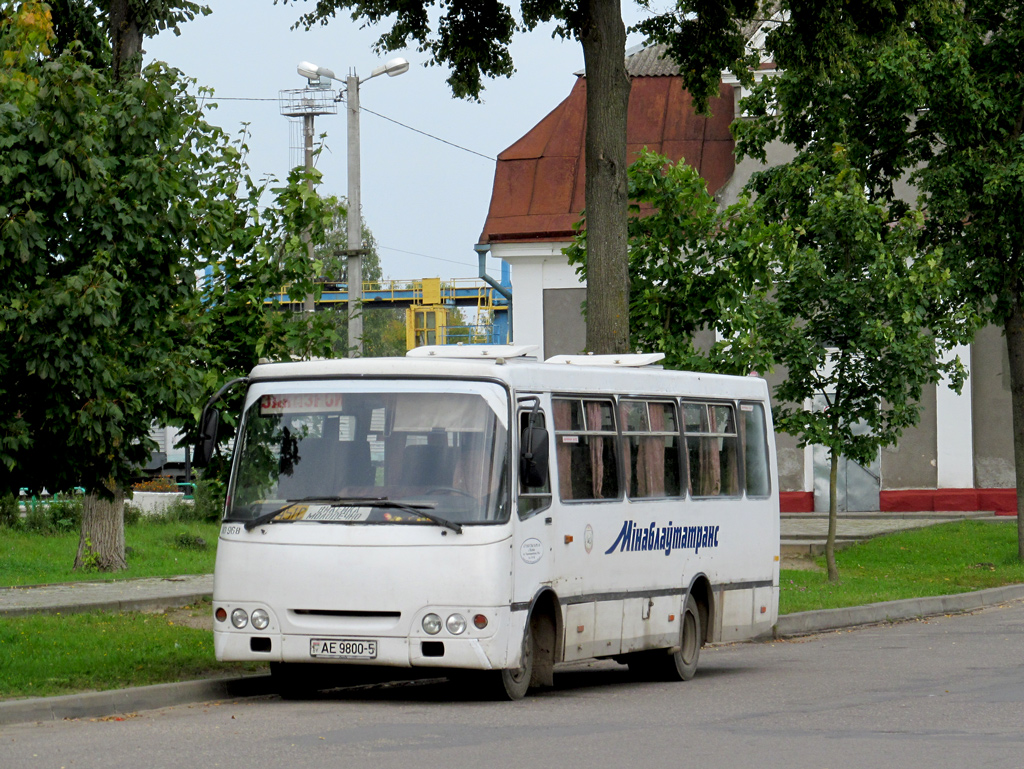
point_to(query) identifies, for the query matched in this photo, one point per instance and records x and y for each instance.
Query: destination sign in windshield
(300, 403)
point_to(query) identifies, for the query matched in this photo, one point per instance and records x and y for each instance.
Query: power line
(425, 256)
(436, 138)
(377, 114)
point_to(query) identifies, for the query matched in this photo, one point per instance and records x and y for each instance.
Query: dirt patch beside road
(800, 562)
(199, 616)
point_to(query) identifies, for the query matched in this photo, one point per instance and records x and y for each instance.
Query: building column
(954, 429)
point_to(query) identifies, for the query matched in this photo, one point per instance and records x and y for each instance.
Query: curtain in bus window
(651, 481)
(650, 457)
(563, 451)
(710, 460)
(471, 474)
(728, 447)
(585, 442)
(712, 446)
(596, 449)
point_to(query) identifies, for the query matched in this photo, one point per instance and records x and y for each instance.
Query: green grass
(45, 655)
(937, 560)
(28, 558)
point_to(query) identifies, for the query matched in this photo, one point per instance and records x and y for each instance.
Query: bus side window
(650, 448)
(711, 443)
(533, 499)
(755, 450)
(586, 449)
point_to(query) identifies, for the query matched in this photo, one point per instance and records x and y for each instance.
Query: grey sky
(424, 200)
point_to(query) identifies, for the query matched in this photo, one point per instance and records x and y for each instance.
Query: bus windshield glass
(316, 453)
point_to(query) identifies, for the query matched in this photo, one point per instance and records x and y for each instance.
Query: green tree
(692, 267)
(379, 337)
(114, 189)
(937, 101)
(472, 38)
(859, 316)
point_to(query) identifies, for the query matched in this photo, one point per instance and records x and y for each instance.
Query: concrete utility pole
(319, 80)
(355, 228)
(309, 306)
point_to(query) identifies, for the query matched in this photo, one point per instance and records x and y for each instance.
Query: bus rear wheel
(680, 665)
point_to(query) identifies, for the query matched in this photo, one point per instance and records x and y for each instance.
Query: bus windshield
(316, 455)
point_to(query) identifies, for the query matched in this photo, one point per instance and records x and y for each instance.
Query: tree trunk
(608, 85)
(833, 517)
(1014, 330)
(101, 542)
(125, 40)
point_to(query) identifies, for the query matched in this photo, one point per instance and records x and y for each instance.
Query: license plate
(343, 648)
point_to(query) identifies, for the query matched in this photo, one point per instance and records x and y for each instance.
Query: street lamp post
(354, 251)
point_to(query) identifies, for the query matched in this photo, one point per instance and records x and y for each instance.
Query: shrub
(185, 540)
(65, 514)
(10, 512)
(56, 516)
(209, 499)
(132, 514)
(179, 510)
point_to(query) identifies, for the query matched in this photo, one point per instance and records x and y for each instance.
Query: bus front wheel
(512, 684)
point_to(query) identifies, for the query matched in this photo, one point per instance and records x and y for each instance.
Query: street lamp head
(317, 76)
(392, 68)
(308, 70)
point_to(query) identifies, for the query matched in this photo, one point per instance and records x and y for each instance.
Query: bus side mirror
(533, 457)
(207, 437)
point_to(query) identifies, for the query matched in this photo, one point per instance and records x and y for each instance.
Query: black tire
(512, 684)
(293, 681)
(680, 665)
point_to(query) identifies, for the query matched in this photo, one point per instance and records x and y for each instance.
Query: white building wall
(534, 267)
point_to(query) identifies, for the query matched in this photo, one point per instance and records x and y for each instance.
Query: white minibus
(475, 509)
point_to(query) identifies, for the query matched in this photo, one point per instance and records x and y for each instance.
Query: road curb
(123, 605)
(807, 622)
(123, 701)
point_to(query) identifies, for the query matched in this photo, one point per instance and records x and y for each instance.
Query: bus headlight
(432, 624)
(456, 624)
(260, 619)
(239, 618)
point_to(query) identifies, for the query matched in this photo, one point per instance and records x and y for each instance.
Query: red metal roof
(539, 180)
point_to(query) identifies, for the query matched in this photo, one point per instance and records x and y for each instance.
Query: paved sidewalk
(153, 594)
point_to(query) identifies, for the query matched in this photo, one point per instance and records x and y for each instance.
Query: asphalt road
(944, 692)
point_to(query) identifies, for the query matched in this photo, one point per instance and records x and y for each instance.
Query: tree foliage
(692, 268)
(935, 101)
(383, 326)
(114, 190)
(102, 203)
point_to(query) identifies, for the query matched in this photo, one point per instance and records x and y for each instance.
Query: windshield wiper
(332, 501)
(418, 509)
